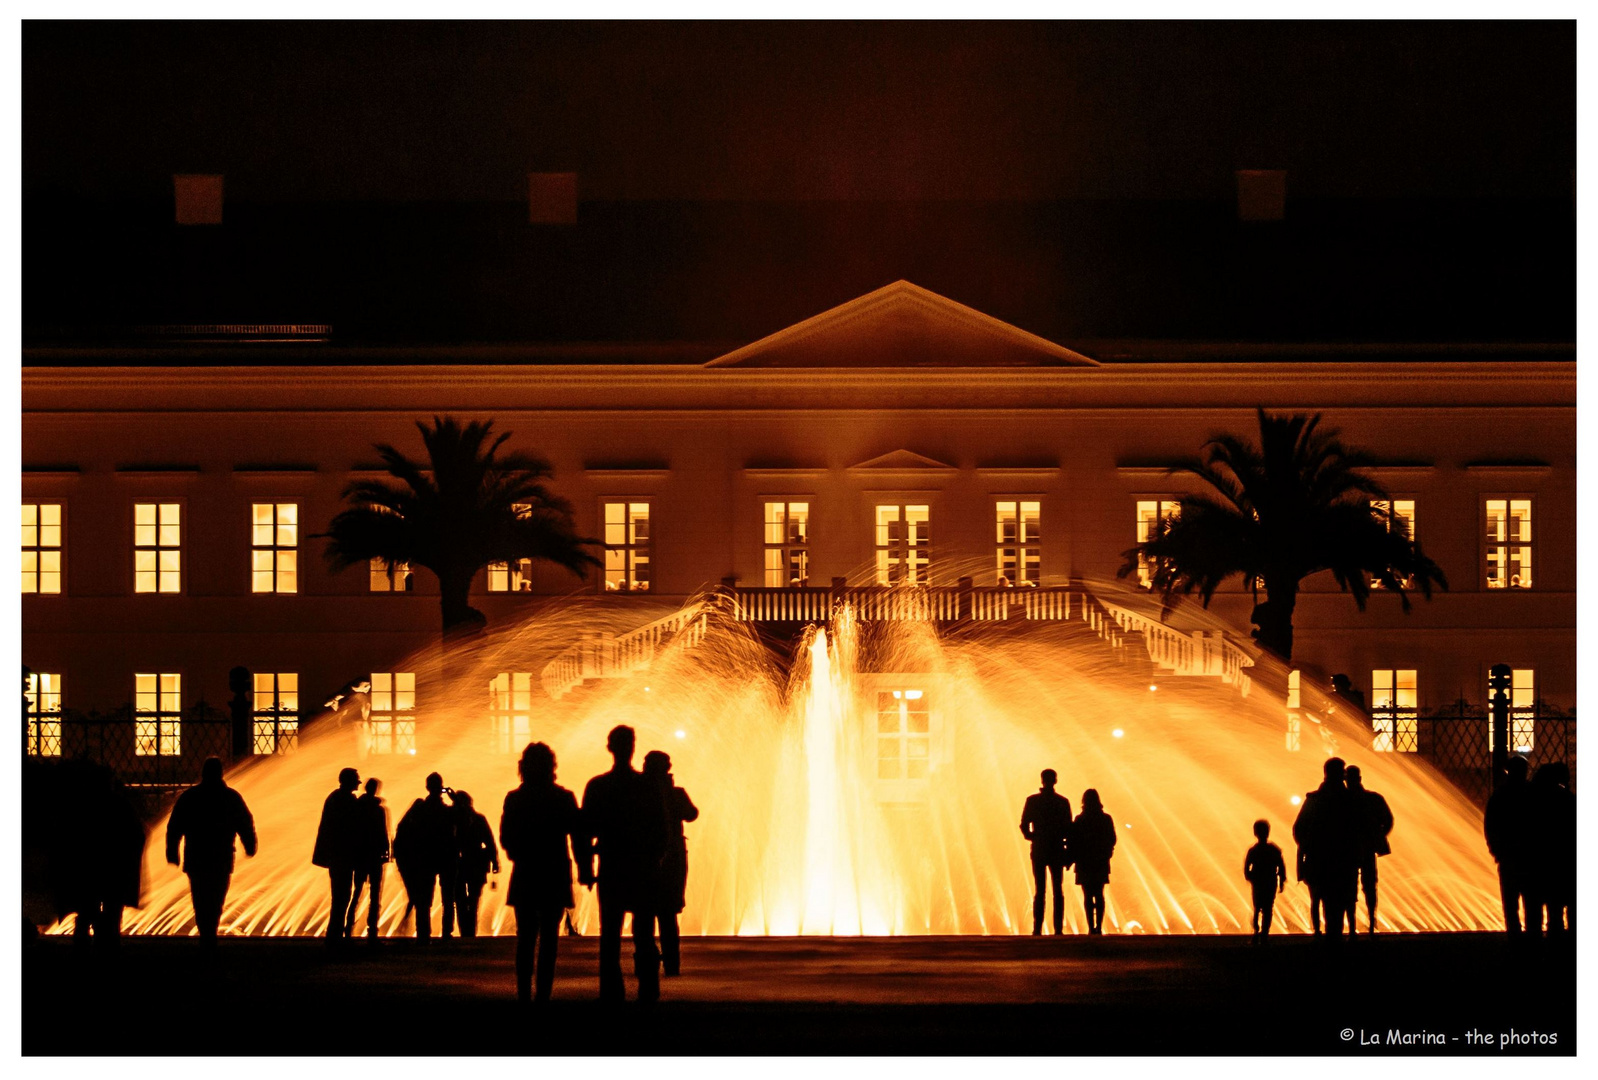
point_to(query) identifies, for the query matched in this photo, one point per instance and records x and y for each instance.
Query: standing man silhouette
(1046, 821)
(1376, 820)
(674, 867)
(624, 818)
(371, 852)
(205, 820)
(424, 848)
(474, 841)
(539, 820)
(1509, 828)
(1329, 833)
(336, 838)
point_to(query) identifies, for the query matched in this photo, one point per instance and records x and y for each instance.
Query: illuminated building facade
(899, 440)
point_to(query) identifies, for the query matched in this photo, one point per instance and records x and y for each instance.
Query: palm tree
(467, 508)
(1293, 506)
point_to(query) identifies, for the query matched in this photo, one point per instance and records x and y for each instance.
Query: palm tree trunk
(461, 624)
(1273, 618)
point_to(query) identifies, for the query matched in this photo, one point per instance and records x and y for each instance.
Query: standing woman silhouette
(1092, 844)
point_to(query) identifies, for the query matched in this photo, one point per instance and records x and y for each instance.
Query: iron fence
(120, 741)
(1456, 739)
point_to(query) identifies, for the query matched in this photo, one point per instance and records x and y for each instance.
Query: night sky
(1075, 178)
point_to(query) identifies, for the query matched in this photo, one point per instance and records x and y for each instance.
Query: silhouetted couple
(97, 858)
(1341, 829)
(447, 847)
(633, 822)
(204, 821)
(352, 846)
(1058, 842)
(1531, 832)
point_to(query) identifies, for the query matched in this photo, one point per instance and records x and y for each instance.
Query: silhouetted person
(424, 850)
(1552, 869)
(371, 853)
(674, 867)
(103, 853)
(624, 817)
(1328, 832)
(1046, 821)
(1344, 688)
(1508, 826)
(476, 855)
(205, 820)
(1267, 873)
(1375, 819)
(539, 820)
(1092, 842)
(336, 849)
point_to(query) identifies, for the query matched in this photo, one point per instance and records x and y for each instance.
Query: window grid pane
(158, 721)
(391, 725)
(509, 708)
(157, 548)
(1509, 543)
(627, 562)
(274, 535)
(1149, 513)
(380, 580)
(1394, 704)
(41, 548)
(904, 737)
(277, 706)
(43, 696)
(1016, 528)
(787, 536)
(904, 539)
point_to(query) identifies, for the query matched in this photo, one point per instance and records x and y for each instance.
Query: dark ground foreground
(1116, 995)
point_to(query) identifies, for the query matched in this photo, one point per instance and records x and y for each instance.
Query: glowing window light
(512, 577)
(627, 547)
(787, 537)
(1509, 543)
(41, 547)
(510, 697)
(904, 735)
(1151, 512)
(43, 697)
(903, 542)
(274, 547)
(1018, 530)
(157, 715)
(277, 712)
(1394, 700)
(382, 580)
(391, 728)
(157, 548)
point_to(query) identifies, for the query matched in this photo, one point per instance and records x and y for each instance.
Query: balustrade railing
(608, 656)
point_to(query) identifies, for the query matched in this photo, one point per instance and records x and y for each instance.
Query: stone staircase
(1143, 643)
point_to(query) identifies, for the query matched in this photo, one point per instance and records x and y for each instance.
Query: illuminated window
(787, 544)
(385, 580)
(904, 538)
(1522, 712)
(904, 735)
(1399, 514)
(1509, 543)
(277, 712)
(1295, 721)
(1393, 705)
(391, 727)
(157, 715)
(1149, 513)
(627, 561)
(41, 547)
(510, 701)
(1018, 528)
(517, 576)
(274, 547)
(157, 548)
(43, 695)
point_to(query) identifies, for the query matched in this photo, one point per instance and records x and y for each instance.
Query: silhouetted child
(1267, 872)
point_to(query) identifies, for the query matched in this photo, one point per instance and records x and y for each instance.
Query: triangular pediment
(902, 325)
(903, 461)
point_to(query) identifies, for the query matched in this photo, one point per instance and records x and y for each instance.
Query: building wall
(706, 446)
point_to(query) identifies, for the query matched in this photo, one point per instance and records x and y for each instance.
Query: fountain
(876, 787)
